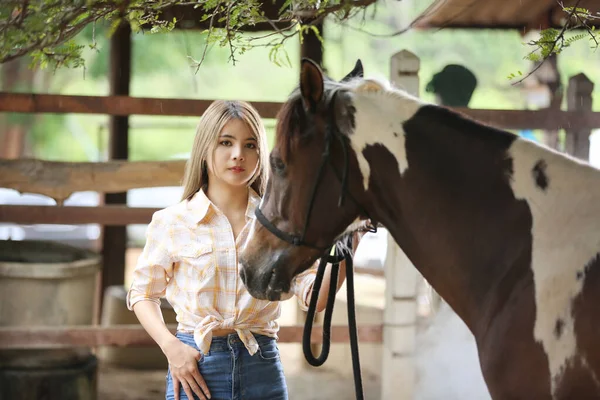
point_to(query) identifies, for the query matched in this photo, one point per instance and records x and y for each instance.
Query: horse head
(315, 190)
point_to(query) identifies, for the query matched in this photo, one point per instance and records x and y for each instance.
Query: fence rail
(114, 105)
(111, 215)
(547, 119)
(134, 335)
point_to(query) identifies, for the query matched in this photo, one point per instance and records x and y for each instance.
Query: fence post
(400, 315)
(405, 71)
(579, 98)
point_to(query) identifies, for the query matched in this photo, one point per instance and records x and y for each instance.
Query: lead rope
(335, 260)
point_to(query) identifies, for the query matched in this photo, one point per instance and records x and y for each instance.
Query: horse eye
(277, 165)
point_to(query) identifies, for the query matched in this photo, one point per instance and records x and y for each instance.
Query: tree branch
(44, 29)
(559, 43)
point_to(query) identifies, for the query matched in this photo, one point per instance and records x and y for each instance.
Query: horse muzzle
(264, 278)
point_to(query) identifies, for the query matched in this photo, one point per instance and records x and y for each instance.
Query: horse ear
(357, 72)
(311, 84)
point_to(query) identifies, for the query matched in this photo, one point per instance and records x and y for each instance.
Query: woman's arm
(152, 272)
(151, 318)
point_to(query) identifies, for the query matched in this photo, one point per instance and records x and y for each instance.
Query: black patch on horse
(539, 175)
(558, 328)
(508, 167)
(595, 261)
(352, 118)
(438, 129)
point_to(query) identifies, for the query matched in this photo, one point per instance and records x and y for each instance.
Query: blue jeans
(231, 373)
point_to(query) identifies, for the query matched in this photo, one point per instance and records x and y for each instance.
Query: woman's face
(235, 159)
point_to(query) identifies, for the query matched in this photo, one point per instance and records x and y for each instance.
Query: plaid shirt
(191, 259)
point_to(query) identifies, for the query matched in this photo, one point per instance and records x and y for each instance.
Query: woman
(225, 346)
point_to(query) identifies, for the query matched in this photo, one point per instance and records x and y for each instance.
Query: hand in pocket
(183, 364)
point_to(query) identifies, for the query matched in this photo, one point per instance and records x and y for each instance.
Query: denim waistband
(223, 343)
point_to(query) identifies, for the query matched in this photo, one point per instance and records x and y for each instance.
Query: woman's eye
(225, 143)
(251, 146)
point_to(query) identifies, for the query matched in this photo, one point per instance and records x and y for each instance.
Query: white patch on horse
(380, 112)
(565, 238)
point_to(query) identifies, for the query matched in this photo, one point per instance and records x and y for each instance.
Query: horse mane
(285, 132)
(289, 118)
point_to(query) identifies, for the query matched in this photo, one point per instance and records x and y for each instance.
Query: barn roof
(501, 14)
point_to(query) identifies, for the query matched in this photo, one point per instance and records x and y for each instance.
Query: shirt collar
(199, 204)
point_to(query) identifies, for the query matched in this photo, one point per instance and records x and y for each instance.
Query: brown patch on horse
(558, 328)
(577, 382)
(539, 175)
(508, 337)
(587, 320)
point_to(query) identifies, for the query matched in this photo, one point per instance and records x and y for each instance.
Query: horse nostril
(243, 274)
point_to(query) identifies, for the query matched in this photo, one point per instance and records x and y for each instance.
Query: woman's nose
(238, 154)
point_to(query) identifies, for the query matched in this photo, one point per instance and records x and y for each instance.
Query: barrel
(115, 313)
(45, 283)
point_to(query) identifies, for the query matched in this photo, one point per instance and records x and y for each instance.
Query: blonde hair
(219, 113)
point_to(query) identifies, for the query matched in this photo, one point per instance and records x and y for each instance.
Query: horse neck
(441, 189)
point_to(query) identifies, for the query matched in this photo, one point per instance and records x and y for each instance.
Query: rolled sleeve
(302, 285)
(154, 266)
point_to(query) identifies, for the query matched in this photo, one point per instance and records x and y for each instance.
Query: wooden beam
(113, 215)
(114, 237)
(369, 271)
(59, 180)
(135, 335)
(547, 119)
(311, 46)
(114, 105)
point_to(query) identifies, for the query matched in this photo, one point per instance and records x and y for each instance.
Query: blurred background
(162, 68)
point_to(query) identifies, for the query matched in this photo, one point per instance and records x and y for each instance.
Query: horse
(506, 230)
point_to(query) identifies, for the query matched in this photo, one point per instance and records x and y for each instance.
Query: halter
(299, 240)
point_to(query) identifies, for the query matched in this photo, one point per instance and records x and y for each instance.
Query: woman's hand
(183, 363)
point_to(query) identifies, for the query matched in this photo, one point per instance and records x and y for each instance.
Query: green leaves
(279, 56)
(45, 29)
(512, 75)
(555, 41)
